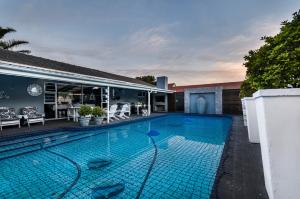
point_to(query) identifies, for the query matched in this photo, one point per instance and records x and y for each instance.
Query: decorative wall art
(34, 90)
(3, 95)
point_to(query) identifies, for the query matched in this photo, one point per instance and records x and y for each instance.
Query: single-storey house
(53, 86)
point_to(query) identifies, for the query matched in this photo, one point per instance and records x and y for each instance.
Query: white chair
(128, 107)
(121, 113)
(31, 115)
(8, 117)
(112, 112)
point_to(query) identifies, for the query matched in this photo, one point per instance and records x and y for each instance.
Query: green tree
(276, 64)
(11, 44)
(148, 78)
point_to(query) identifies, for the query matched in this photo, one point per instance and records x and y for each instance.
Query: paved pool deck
(240, 174)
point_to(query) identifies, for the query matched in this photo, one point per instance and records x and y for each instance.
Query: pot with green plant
(85, 111)
(98, 114)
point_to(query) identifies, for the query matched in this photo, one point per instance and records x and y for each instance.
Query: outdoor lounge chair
(8, 117)
(128, 109)
(31, 115)
(112, 112)
(121, 113)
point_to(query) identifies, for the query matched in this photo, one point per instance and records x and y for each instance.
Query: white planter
(98, 120)
(251, 118)
(278, 115)
(84, 121)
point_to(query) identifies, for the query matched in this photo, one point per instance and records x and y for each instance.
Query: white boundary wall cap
(277, 92)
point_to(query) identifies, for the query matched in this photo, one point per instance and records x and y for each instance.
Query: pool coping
(220, 171)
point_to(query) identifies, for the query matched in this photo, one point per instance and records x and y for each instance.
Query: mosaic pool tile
(188, 155)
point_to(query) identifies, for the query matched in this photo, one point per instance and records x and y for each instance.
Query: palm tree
(10, 44)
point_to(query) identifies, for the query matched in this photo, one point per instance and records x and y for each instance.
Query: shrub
(276, 64)
(85, 110)
(98, 111)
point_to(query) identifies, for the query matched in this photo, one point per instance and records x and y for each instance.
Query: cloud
(150, 40)
(185, 50)
(185, 76)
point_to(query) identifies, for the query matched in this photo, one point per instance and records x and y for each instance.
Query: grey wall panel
(210, 102)
(217, 93)
(16, 89)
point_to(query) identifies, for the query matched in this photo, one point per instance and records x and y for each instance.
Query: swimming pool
(174, 156)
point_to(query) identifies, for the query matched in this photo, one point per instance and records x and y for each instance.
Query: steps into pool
(22, 146)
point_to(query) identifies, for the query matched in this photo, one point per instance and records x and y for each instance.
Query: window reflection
(92, 95)
(67, 95)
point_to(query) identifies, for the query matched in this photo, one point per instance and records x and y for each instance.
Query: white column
(108, 104)
(149, 103)
(166, 102)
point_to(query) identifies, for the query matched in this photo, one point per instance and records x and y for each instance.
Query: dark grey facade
(15, 89)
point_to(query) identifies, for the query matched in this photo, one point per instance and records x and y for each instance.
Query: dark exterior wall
(16, 89)
(232, 102)
(171, 102)
(179, 102)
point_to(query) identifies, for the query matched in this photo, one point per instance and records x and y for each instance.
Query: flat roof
(224, 85)
(21, 58)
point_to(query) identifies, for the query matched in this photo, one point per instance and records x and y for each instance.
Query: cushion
(8, 114)
(31, 112)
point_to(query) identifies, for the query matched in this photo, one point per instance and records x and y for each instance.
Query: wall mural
(3, 95)
(34, 90)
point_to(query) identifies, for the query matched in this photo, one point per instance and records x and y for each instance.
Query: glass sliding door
(58, 97)
(50, 100)
(67, 95)
(91, 95)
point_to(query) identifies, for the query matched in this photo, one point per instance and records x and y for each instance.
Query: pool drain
(98, 163)
(108, 191)
(150, 134)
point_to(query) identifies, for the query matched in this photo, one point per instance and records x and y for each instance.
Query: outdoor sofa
(8, 117)
(31, 115)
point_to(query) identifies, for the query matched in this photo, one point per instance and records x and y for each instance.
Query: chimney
(162, 82)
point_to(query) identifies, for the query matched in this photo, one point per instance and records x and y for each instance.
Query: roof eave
(11, 68)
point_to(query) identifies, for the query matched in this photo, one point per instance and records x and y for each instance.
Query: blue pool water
(184, 162)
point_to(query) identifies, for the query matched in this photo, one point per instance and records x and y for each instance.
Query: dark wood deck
(10, 132)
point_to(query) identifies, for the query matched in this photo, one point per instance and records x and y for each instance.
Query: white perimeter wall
(278, 114)
(251, 118)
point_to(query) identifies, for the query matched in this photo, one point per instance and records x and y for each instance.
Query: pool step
(21, 148)
(4, 143)
(21, 143)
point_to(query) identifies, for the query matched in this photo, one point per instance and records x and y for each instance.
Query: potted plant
(85, 111)
(98, 113)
